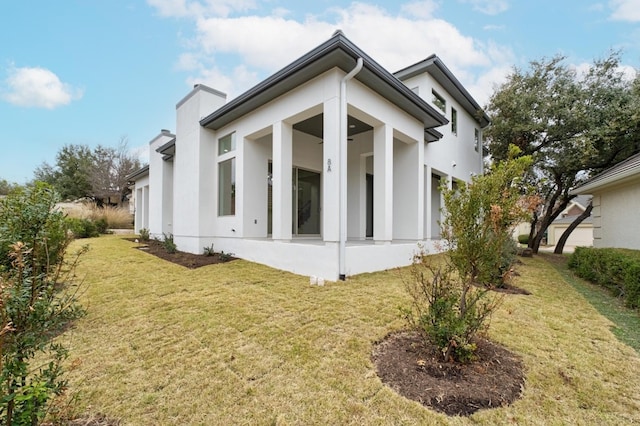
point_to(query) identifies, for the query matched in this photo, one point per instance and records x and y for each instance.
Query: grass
(626, 322)
(240, 343)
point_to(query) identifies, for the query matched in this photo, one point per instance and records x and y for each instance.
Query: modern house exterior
(616, 204)
(330, 167)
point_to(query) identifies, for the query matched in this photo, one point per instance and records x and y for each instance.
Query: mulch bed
(188, 260)
(417, 371)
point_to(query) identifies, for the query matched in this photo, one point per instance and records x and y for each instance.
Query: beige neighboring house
(616, 204)
(582, 235)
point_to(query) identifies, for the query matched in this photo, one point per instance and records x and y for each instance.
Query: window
(227, 187)
(454, 121)
(226, 144)
(439, 101)
(476, 136)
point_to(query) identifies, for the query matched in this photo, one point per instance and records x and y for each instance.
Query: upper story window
(476, 141)
(454, 121)
(226, 144)
(439, 101)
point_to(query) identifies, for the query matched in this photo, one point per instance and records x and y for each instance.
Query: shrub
(144, 234)
(444, 312)
(82, 228)
(523, 239)
(38, 297)
(105, 217)
(168, 244)
(614, 269)
(208, 251)
(225, 257)
(450, 305)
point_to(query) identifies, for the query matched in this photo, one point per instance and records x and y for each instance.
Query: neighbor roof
(625, 171)
(439, 71)
(339, 52)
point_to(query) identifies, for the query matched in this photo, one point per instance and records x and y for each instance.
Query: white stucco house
(616, 204)
(328, 168)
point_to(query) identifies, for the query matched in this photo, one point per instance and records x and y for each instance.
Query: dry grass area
(240, 343)
(116, 217)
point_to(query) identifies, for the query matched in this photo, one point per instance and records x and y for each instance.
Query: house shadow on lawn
(417, 371)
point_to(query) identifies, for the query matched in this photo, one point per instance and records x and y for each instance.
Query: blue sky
(91, 72)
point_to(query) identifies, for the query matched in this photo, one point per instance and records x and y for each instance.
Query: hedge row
(615, 269)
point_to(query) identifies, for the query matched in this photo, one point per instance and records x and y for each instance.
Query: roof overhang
(138, 174)
(439, 71)
(168, 150)
(338, 52)
(626, 171)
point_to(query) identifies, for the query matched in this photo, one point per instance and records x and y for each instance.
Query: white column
(383, 183)
(331, 172)
(428, 203)
(420, 193)
(282, 185)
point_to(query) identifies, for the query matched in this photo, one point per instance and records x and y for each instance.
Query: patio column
(383, 183)
(282, 171)
(428, 202)
(331, 172)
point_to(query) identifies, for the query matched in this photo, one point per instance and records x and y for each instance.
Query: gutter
(342, 248)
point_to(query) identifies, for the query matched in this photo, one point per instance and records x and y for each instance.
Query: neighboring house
(582, 235)
(330, 167)
(616, 204)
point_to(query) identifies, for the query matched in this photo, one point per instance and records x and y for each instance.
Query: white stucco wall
(458, 148)
(616, 221)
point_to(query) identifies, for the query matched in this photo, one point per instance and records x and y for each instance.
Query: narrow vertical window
(454, 121)
(439, 101)
(476, 141)
(227, 187)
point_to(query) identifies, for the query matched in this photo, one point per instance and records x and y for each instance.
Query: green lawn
(240, 343)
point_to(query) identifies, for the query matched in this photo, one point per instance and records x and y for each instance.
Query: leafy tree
(70, 175)
(572, 125)
(451, 304)
(6, 187)
(98, 174)
(38, 297)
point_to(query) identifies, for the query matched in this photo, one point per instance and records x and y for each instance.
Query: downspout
(342, 249)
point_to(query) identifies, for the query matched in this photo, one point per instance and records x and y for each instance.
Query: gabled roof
(625, 171)
(439, 71)
(339, 52)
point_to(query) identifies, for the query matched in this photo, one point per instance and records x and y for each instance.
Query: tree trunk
(565, 235)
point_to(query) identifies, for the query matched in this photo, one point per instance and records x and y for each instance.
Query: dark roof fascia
(141, 172)
(432, 135)
(434, 66)
(625, 171)
(339, 52)
(167, 150)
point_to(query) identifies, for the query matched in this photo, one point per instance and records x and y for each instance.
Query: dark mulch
(417, 372)
(188, 260)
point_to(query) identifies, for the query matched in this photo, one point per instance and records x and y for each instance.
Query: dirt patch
(416, 371)
(188, 260)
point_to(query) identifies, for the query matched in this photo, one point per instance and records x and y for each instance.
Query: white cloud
(420, 9)
(264, 44)
(38, 87)
(489, 7)
(184, 8)
(625, 10)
